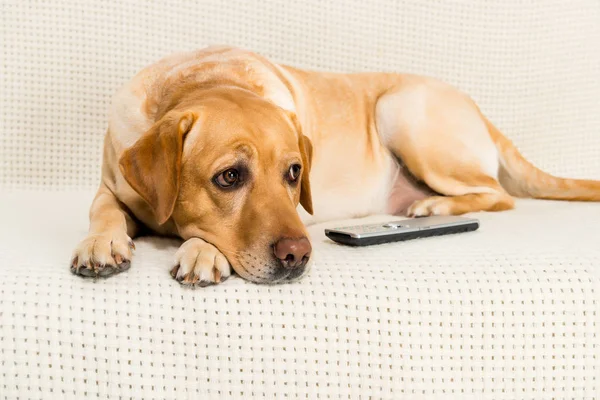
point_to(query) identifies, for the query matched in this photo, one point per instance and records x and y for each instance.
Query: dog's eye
(294, 172)
(227, 178)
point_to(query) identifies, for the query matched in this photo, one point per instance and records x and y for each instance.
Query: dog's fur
(368, 143)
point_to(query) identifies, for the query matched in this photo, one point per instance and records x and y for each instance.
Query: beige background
(533, 66)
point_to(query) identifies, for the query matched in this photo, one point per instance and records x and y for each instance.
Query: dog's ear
(152, 166)
(306, 152)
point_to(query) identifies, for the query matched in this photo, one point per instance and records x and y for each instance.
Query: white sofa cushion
(509, 311)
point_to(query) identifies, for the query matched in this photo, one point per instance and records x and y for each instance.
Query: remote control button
(392, 225)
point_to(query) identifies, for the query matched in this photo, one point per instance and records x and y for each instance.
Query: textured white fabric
(533, 66)
(507, 312)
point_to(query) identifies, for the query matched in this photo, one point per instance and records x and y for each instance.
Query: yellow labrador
(220, 146)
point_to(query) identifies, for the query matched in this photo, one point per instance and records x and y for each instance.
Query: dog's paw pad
(200, 264)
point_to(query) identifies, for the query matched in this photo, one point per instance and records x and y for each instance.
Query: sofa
(510, 311)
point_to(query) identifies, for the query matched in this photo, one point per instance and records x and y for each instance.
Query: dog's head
(230, 168)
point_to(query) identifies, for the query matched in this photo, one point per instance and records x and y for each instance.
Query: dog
(235, 155)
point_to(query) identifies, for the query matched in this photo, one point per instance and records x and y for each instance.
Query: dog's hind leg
(441, 138)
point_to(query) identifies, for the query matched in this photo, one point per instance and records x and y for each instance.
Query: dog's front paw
(200, 264)
(102, 255)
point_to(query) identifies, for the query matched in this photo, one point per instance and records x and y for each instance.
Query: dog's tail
(522, 179)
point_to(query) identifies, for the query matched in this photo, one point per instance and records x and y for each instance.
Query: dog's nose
(293, 253)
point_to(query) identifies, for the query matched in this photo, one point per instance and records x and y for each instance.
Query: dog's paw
(103, 255)
(436, 205)
(200, 264)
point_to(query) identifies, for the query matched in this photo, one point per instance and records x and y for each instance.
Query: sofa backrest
(533, 66)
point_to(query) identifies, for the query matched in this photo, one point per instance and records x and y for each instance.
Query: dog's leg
(442, 139)
(108, 247)
(455, 205)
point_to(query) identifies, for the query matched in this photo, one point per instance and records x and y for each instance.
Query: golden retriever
(220, 147)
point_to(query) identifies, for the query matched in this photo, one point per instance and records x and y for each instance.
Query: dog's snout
(293, 253)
